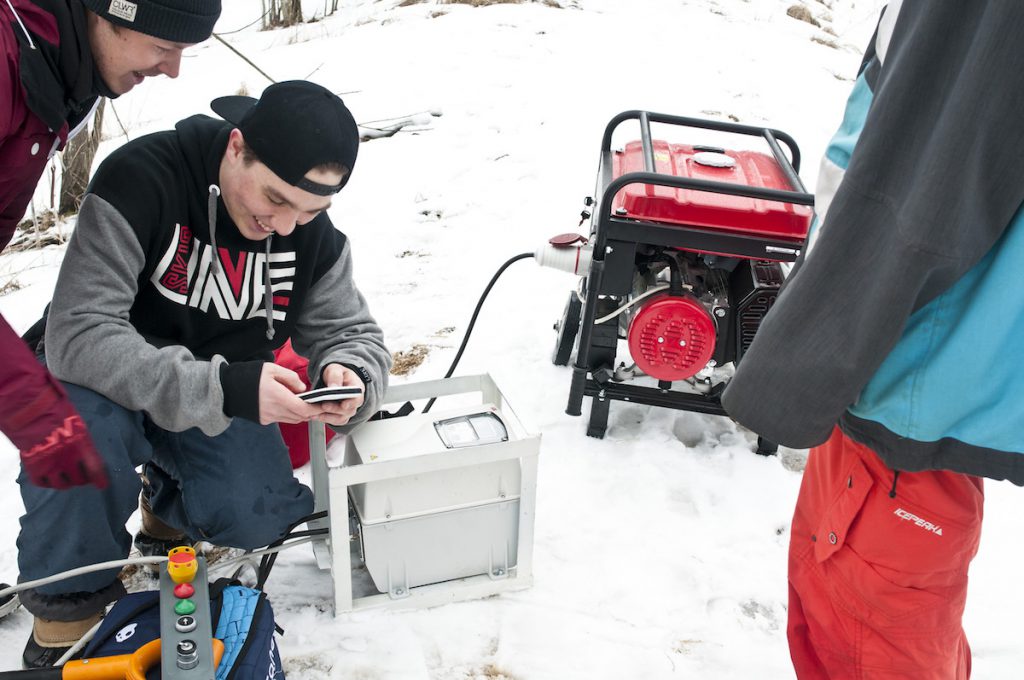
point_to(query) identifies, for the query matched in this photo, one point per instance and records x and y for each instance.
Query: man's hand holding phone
(282, 401)
(341, 397)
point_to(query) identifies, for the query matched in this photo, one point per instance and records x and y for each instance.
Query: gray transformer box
(438, 525)
(438, 506)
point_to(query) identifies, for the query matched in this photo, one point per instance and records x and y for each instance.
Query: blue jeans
(235, 489)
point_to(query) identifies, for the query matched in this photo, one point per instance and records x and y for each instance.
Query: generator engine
(708, 320)
(683, 260)
(672, 337)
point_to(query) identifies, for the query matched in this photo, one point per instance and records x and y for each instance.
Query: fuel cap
(714, 159)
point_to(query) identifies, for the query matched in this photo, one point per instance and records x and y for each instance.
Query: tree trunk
(292, 10)
(271, 14)
(76, 160)
(282, 13)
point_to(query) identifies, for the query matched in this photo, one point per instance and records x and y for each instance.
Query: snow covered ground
(660, 550)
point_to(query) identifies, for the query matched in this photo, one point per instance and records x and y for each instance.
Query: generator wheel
(568, 326)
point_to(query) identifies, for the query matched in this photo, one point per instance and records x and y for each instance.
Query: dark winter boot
(156, 537)
(50, 640)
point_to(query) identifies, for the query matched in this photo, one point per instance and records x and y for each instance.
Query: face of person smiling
(124, 58)
(259, 202)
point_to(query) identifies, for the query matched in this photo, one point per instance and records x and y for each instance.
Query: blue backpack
(242, 620)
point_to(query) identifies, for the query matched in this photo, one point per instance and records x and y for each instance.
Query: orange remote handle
(128, 666)
(124, 666)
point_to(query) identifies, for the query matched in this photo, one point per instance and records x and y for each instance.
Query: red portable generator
(683, 262)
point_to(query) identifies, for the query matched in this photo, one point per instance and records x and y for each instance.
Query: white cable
(158, 559)
(88, 569)
(82, 642)
(257, 553)
(638, 298)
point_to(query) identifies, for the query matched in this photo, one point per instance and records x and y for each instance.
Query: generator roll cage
(615, 239)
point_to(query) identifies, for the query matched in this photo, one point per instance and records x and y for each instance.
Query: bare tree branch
(243, 57)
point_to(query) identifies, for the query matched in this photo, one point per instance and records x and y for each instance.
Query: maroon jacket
(48, 86)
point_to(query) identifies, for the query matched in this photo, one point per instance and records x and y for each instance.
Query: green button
(184, 607)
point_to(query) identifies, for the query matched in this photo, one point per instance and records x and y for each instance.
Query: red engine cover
(672, 337)
(704, 208)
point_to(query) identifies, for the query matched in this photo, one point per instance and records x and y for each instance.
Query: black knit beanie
(182, 21)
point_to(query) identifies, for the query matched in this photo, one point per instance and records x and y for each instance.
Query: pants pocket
(906, 556)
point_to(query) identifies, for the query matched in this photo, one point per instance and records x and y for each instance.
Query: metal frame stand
(331, 485)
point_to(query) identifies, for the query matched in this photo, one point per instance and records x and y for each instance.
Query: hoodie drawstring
(268, 300)
(24, 30)
(268, 292)
(211, 213)
(895, 477)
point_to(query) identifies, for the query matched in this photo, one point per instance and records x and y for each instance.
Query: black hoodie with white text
(144, 313)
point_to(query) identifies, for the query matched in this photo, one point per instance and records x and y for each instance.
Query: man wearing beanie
(60, 57)
(199, 252)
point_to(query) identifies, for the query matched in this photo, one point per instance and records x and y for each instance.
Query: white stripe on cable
(638, 298)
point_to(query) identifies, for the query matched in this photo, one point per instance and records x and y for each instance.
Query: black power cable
(267, 561)
(476, 313)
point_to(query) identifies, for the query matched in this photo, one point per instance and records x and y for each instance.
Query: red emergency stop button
(182, 564)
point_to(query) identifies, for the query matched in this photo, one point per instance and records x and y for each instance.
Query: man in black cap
(199, 251)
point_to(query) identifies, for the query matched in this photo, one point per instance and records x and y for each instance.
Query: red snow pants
(878, 568)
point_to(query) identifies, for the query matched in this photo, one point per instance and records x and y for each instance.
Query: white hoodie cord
(23, 29)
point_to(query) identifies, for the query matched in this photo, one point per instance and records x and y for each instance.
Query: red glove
(56, 449)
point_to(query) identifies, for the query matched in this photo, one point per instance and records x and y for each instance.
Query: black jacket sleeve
(933, 182)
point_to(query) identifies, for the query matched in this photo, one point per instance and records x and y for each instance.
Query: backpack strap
(238, 607)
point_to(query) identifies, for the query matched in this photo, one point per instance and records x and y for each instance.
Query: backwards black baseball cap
(294, 127)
